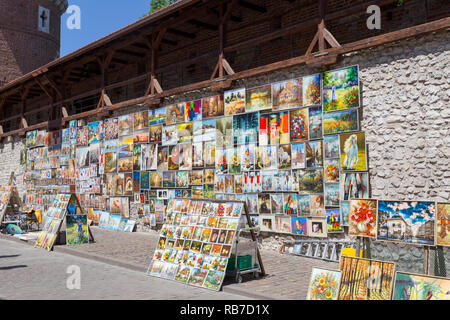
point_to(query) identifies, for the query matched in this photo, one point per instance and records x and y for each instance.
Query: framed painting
(324, 284)
(224, 131)
(140, 120)
(212, 107)
(314, 154)
(299, 226)
(193, 111)
(332, 194)
(259, 98)
(169, 135)
(311, 90)
(299, 125)
(126, 125)
(245, 128)
(311, 181)
(157, 116)
(234, 101)
(111, 128)
(341, 89)
(365, 279)
(77, 229)
(175, 113)
(334, 220)
(406, 221)
(287, 94)
(443, 224)
(283, 224)
(185, 132)
(317, 227)
(331, 171)
(409, 286)
(353, 151)
(354, 185)
(315, 123)
(331, 148)
(303, 204)
(340, 121)
(362, 218)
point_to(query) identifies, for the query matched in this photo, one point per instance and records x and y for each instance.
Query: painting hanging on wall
(311, 90)
(299, 226)
(299, 125)
(298, 156)
(331, 171)
(406, 221)
(341, 89)
(175, 113)
(311, 181)
(334, 221)
(259, 98)
(315, 123)
(365, 279)
(443, 224)
(354, 185)
(317, 227)
(340, 121)
(193, 111)
(234, 101)
(126, 125)
(353, 151)
(157, 116)
(409, 286)
(331, 147)
(362, 220)
(212, 107)
(287, 94)
(324, 284)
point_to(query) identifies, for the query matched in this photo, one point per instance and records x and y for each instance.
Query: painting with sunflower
(324, 284)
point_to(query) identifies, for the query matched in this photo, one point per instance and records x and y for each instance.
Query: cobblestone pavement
(30, 273)
(287, 276)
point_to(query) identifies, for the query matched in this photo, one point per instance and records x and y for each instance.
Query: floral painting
(365, 279)
(324, 284)
(299, 125)
(341, 121)
(311, 90)
(362, 221)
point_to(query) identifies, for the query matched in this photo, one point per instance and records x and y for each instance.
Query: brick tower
(29, 35)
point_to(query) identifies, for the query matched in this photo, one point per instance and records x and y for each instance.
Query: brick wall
(22, 47)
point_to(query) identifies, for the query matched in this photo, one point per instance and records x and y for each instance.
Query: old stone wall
(405, 90)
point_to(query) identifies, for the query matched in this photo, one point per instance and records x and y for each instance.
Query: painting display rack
(197, 240)
(318, 249)
(10, 202)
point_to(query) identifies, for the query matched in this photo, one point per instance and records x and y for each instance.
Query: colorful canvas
(157, 116)
(334, 221)
(362, 220)
(111, 129)
(443, 224)
(245, 128)
(365, 279)
(234, 102)
(155, 135)
(279, 128)
(287, 94)
(193, 111)
(311, 181)
(315, 123)
(331, 147)
(406, 221)
(354, 185)
(331, 171)
(314, 154)
(353, 151)
(410, 286)
(175, 113)
(299, 125)
(212, 107)
(341, 89)
(324, 284)
(77, 229)
(311, 90)
(340, 121)
(126, 125)
(299, 226)
(259, 98)
(140, 120)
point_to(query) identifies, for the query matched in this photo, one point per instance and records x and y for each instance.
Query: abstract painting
(410, 286)
(365, 279)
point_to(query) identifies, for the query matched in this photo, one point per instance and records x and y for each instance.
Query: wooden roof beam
(180, 33)
(252, 6)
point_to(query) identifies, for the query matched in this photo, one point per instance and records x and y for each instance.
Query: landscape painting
(324, 284)
(341, 121)
(406, 221)
(365, 279)
(77, 229)
(234, 101)
(341, 89)
(259, 98)
(287, 94)
(410, 286)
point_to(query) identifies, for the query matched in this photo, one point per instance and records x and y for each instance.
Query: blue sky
(98, 19)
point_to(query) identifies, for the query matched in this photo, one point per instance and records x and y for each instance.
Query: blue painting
(406, 221)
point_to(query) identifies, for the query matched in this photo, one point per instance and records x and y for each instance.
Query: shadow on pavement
(13, 267)
(10, 256)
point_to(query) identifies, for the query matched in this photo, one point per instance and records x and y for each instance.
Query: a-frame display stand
(55, 218)
(197, 239)
(10, 202)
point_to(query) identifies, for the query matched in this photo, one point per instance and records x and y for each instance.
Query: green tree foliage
(156, 5)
